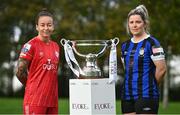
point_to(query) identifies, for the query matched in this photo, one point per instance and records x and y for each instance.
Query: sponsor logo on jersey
(49, 66)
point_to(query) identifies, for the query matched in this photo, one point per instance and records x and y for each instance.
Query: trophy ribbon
(69, 56)
(113, 62)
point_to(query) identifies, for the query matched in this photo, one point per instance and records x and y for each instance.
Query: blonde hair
(143, 13)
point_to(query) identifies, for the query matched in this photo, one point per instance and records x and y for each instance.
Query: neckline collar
(132, 39)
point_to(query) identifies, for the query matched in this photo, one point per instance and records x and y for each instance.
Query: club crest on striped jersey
(125, 52)
(141, 51)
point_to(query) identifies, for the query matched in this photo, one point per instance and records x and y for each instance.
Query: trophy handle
(63, 40)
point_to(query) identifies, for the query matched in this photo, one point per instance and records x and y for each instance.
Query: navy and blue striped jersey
(138, 59)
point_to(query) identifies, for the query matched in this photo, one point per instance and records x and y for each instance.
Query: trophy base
(90, 77)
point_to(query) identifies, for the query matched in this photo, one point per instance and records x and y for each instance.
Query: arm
(21, 70)
(160, 70)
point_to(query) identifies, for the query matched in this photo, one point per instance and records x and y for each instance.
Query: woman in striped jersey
(144, 63)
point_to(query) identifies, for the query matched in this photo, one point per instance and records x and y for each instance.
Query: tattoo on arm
(21, 70)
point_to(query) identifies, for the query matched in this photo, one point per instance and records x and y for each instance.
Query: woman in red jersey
(37, 68)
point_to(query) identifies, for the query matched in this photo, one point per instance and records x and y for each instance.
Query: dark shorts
(140, 106)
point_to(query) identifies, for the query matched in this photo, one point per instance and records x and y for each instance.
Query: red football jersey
(42, 82)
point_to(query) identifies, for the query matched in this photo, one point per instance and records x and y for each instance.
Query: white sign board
(92, 97)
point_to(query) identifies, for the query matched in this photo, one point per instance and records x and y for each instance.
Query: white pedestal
(92, 97)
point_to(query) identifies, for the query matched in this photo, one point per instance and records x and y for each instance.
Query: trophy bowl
(91, 50)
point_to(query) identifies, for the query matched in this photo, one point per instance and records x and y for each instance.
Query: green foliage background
(81, 19)
(88, 19)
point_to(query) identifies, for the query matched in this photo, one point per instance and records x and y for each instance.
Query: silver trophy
(90, 70)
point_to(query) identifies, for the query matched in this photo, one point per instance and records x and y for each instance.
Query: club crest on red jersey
(57, 54)
(41, 54)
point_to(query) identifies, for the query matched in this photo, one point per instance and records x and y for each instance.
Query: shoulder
(125, 42)
(28, 45)
(153, 41)
(55, 44)
(32, 42)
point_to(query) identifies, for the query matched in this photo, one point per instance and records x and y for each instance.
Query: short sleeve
(157, 51)
(27, 51)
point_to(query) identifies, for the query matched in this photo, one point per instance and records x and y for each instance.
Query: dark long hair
(43, 12)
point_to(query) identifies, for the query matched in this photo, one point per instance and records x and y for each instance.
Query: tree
(81, 19)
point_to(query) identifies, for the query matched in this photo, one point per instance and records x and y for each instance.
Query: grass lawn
(14, 106)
